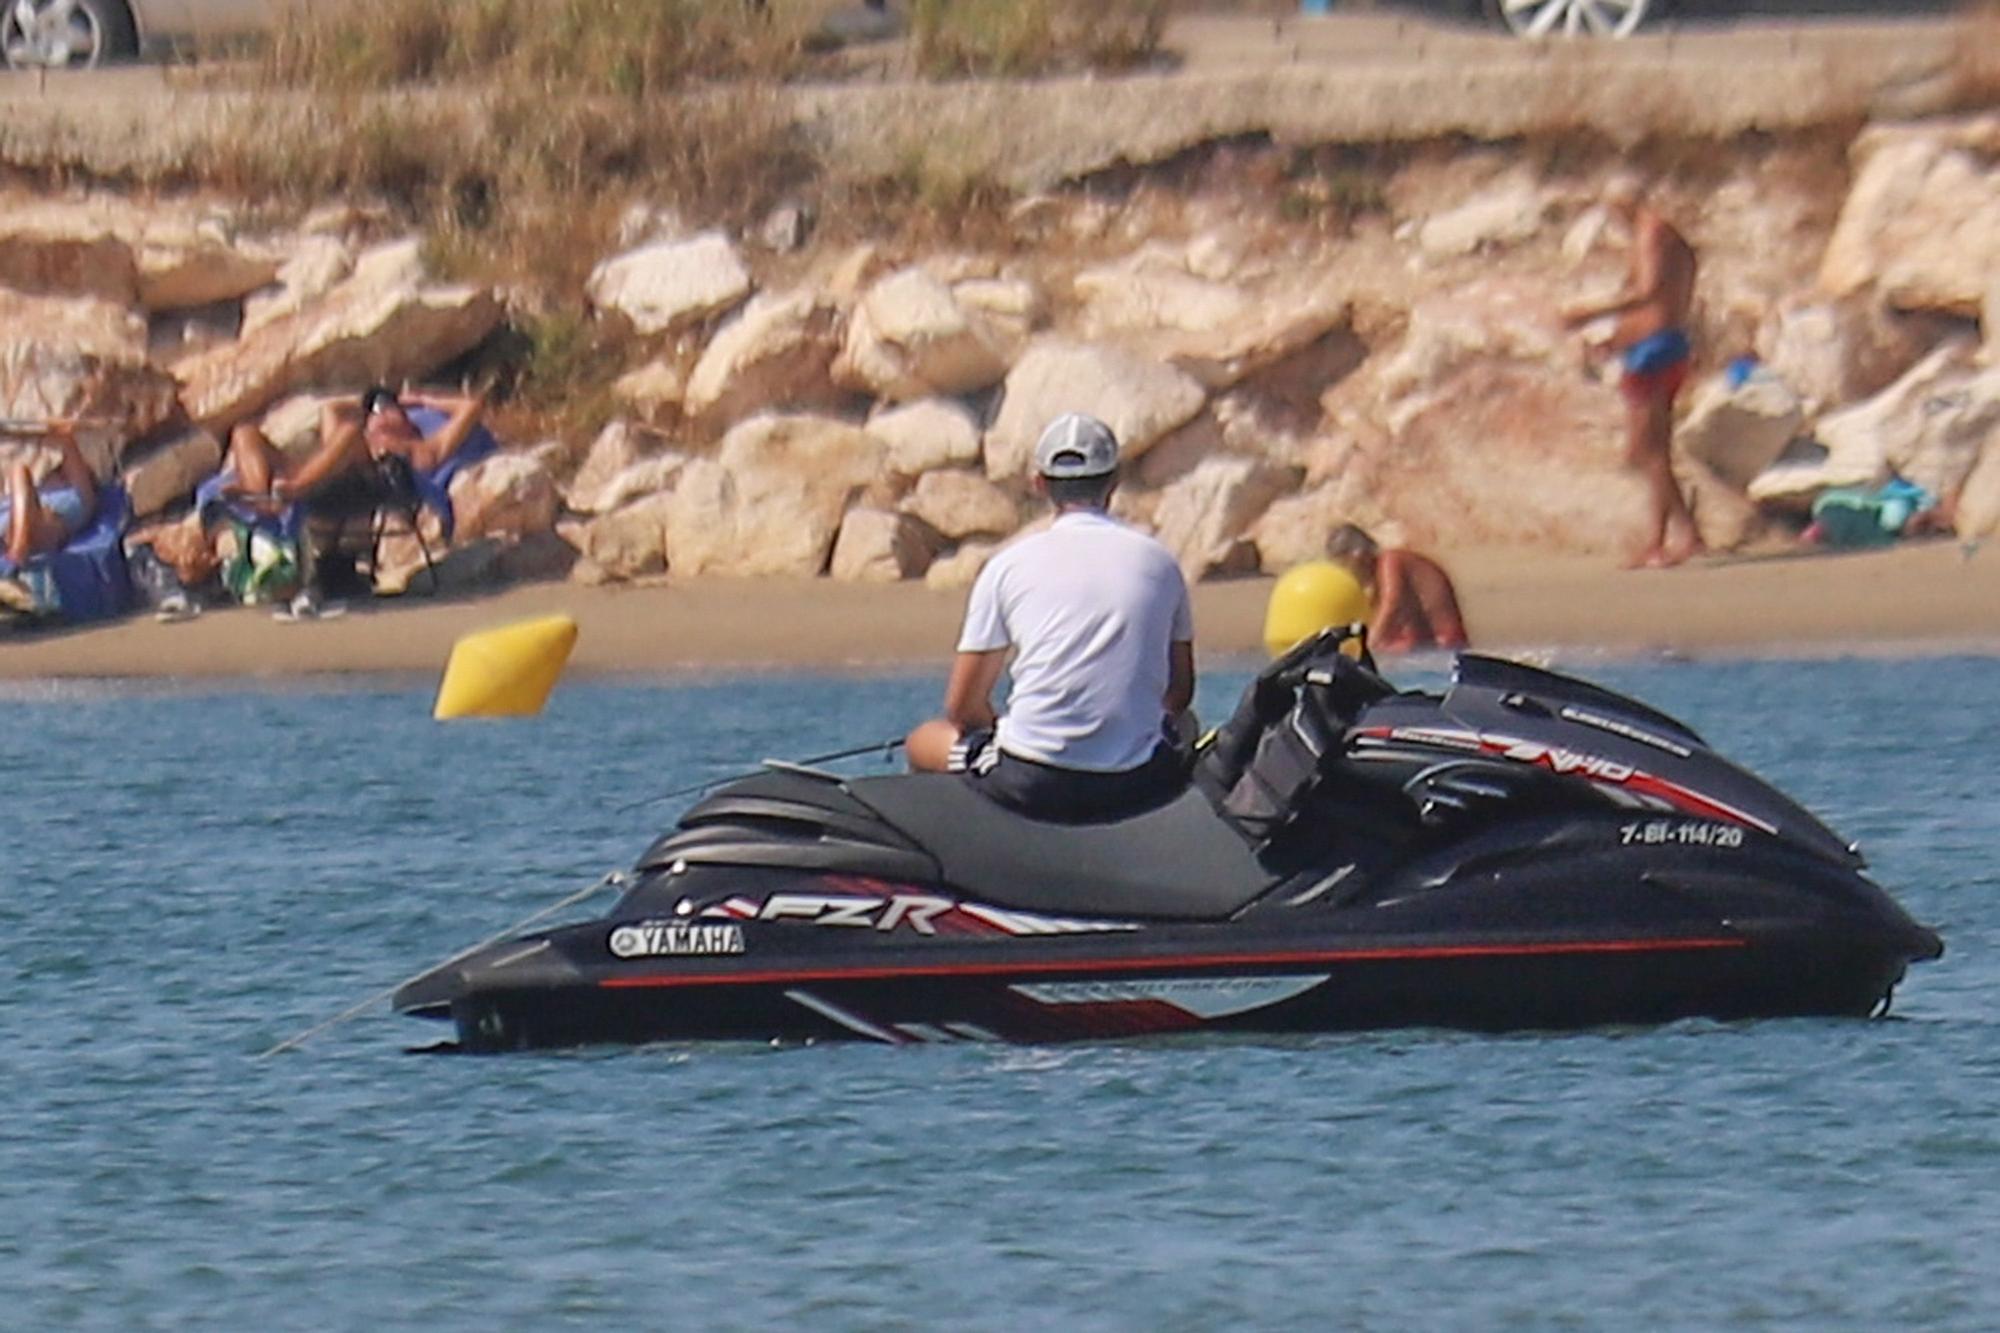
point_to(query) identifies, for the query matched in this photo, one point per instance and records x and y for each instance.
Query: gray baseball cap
(1075, 445)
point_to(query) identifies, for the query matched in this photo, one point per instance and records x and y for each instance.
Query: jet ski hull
(566, 989)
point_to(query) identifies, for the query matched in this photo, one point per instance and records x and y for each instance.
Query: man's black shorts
(1068, 795)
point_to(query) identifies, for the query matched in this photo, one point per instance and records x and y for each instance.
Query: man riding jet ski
(1524, 850)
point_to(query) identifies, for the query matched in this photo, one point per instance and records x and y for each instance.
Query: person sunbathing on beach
(1651, 338)
(374, 428)
(1415, 604)
(38, 521)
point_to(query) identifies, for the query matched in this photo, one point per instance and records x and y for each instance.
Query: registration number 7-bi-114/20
(1679, 833)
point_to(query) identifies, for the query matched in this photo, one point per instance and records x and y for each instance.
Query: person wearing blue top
(1095, 615)
(38, 520)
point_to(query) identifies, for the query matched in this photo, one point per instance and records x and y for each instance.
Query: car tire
(1536, 19)
(75, 34)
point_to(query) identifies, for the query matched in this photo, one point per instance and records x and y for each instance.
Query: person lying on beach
(375, 427)
(38, 520)
(1415, 604)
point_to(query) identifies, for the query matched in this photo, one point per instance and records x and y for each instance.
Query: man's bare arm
(464, 410)
(968, 695)
(1180, 676)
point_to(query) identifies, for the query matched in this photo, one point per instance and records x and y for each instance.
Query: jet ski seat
(1177, 861)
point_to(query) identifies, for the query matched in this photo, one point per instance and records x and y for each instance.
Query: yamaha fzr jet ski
(1525, 850)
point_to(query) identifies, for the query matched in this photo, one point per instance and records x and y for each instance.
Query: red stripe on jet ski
(1199, 961)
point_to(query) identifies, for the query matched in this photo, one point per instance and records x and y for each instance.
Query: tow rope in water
(613, 878)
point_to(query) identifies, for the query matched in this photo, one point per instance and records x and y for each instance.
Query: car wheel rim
(1574, 18)
(50, 34)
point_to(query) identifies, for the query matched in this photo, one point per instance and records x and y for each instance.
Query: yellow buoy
(507, 671)
(1310, 598)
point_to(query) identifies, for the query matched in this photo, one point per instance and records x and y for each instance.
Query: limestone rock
(399, 559)
(1737, 433)
(786, 228)
(1012, 307)
(314, 267)
(1204, 518)
(1477, 430)
(1181, 451)
(382, 324)
(881, 546)
(536, 558)
(962, 504)
(959, 569)
(617, 448)
(293, 424)
(630, 542)
(771, 500)
(1931, 425)
(476, 566)
(910, 338)
(506, 495)
(1216, 332)
(652, 390)
(54, 250)
(1511, 210)
(1989, 321)
(1808, 467)
(773, 356)
(667, 285)
(78, 357)
(1724, 516)
(648, 476)
(173, 277)
(1979, 503)
(1836, 352)
(1294, 529)
(923, 436)
(1139, 398)
(1922, 222)
(167, 473)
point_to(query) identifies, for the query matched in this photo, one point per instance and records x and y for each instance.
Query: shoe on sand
(308, 606)
(175, 608)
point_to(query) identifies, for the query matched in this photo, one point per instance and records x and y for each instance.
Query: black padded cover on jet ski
(1178, 861)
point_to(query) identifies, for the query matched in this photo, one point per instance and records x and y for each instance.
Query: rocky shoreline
(1283, 339)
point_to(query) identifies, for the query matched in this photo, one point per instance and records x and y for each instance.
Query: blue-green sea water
(188, 877)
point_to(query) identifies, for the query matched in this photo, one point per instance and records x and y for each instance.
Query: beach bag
(1855, 516)
(263, 567)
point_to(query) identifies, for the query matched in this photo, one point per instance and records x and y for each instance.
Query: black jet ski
(1524, 850)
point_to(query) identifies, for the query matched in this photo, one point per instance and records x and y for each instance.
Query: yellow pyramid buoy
(507, 671)
(1309, 598)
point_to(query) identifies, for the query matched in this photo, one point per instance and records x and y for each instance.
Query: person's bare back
(1419, 607)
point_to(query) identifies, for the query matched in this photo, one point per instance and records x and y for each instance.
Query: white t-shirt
(1090, 607)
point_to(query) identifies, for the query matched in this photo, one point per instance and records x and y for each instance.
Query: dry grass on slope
(1017, 38)
(624, 47)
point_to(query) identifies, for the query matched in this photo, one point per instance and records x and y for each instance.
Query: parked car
(1573, 18)
(77, 34)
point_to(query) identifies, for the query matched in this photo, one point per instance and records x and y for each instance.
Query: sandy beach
(1930, 598)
